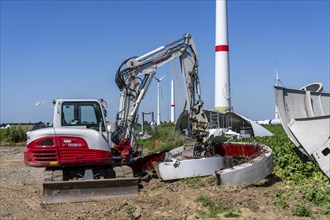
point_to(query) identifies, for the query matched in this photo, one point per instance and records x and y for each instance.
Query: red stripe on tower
(219, 48)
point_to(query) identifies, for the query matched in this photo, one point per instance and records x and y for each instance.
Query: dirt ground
(21, 191)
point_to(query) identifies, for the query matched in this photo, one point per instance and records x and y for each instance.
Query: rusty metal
(145, 163)
(238, 149)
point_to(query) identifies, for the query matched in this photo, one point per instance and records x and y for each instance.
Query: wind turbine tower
(222, 78)
(158, 98)
(172, 103)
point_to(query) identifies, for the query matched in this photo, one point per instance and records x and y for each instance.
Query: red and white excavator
(84, 158)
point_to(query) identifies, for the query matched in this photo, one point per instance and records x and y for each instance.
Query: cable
(119, 79)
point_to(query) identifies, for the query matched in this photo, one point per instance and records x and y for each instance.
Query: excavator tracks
(123, 172)
(55, 190)
(51, 175)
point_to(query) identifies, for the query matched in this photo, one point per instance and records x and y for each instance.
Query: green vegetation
(199, 181)
(280, 200)
(326, 210)
(130, 209)
(320, 196)
(291, 165)
(297, 171)
(205, 201)
(301, 211)
(17, 133)
(231, 214)
(164, 138)
(13, 134)
(215, 209)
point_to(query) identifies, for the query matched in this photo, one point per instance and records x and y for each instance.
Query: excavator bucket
(89, 190)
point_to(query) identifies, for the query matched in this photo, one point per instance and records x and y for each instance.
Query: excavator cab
(83, 114)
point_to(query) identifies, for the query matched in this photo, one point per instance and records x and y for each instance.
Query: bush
(13, 134)
(164, 139)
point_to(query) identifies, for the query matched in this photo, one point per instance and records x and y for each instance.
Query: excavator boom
(135, 75)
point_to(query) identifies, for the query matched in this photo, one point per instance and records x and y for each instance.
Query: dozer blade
(89, 190)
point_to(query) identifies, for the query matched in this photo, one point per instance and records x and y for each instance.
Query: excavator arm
(134, 77)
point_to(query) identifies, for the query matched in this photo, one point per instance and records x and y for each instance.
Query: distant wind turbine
(42, 102)
(158, 98)
(277, 79)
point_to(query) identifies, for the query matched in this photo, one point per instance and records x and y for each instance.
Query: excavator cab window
(82, 114)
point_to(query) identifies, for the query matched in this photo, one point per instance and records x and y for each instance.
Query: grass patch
(280, 200)
(301, 211)
(198, 181)
(205, 201)
(231, 215)
(165, 138)
(318, 195)
(215, 209)
(130, 209)
(326, 210)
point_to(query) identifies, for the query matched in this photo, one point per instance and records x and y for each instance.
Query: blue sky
(72, 49)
